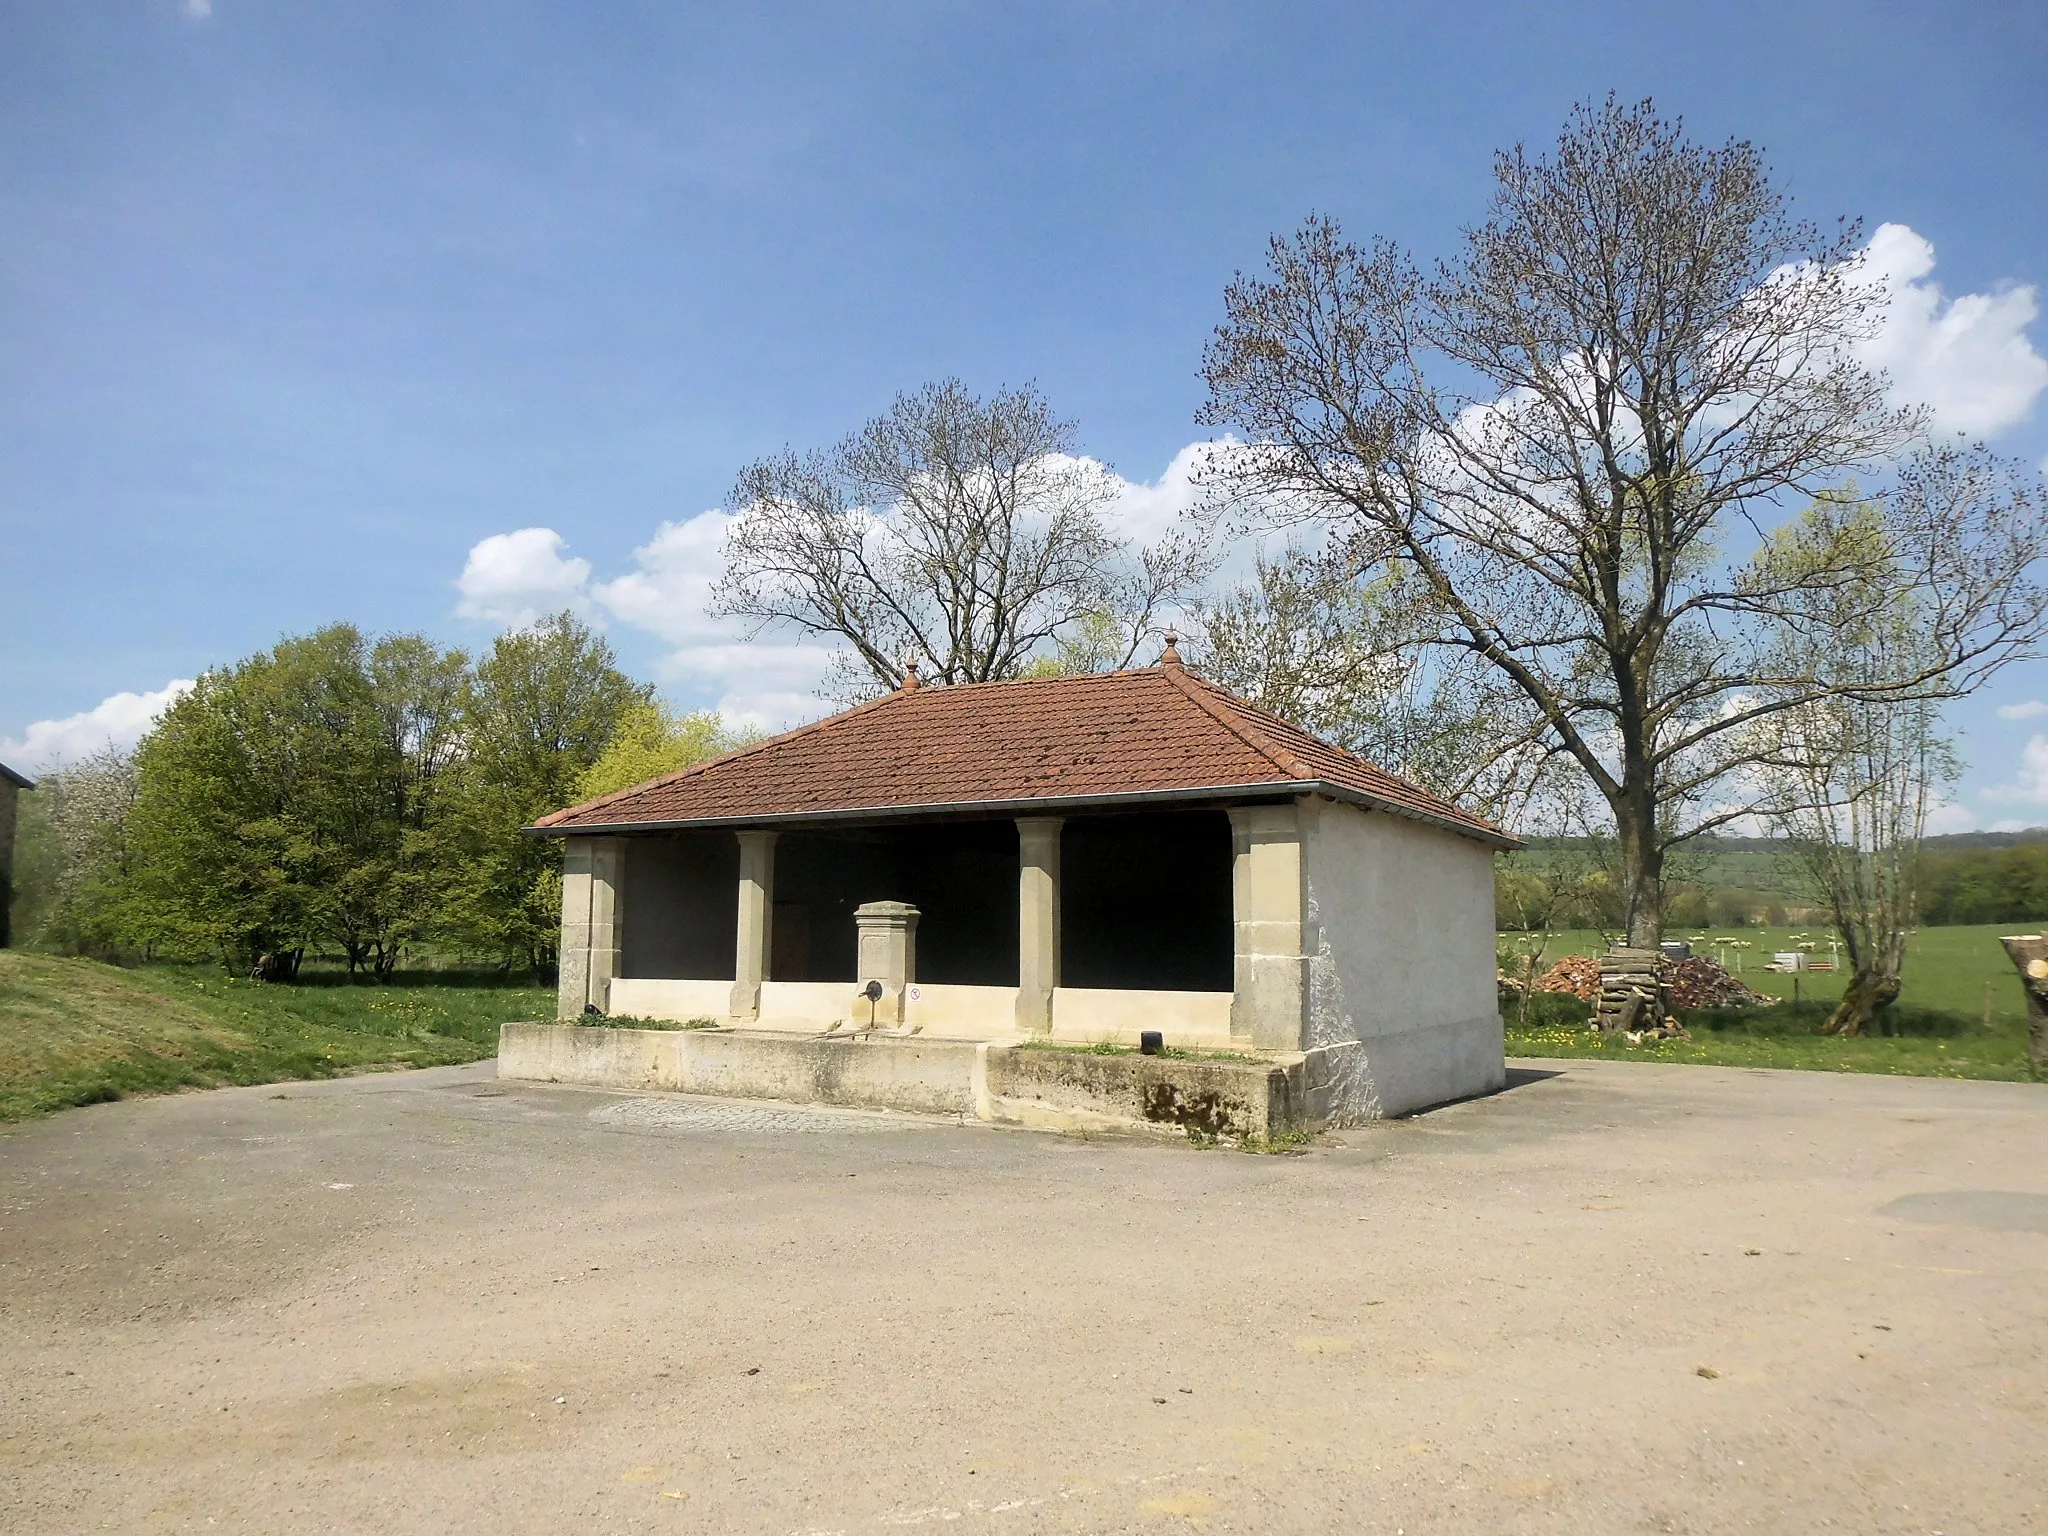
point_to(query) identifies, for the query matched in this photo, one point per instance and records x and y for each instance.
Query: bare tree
(962, 531)
(1575, 436)
(1863, 776)
(1334, 656)
(1540, 890)
(1848, 780)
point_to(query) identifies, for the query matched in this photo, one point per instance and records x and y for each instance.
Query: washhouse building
(1078, 859)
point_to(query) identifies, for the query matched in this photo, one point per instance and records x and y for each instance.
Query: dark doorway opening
(682, 906)
(1145, 902)
(961, 876)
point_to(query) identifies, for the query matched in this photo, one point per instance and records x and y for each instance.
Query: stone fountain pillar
(887, 954)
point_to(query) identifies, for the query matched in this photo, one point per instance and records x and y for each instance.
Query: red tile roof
(1157, 734)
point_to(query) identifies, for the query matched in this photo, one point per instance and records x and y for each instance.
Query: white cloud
(1968, 358)
(1950, 817)
(510, 579)
(1144, 511)
(2032, 709)
(2030, 785)
(669, 594)
(514, 578)
(199, 10)
(120, 720)
(767, 683)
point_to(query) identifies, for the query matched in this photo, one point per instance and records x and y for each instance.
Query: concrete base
(934, 1077)
(1002, 1084)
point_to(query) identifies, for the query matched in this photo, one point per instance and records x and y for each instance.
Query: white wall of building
(1400, 940)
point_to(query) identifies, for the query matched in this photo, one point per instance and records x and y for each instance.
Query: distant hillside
(1965, 877)
(1714, 843)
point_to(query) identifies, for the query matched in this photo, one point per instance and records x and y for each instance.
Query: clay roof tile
(1151, 734)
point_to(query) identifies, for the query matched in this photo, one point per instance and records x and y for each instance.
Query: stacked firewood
(1575, 975)
(1631, 1000)
(1661, 984)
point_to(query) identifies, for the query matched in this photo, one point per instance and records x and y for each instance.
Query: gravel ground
(1613, 1298)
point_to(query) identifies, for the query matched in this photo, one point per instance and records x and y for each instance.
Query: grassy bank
(78, 1032)
(1961, 1013)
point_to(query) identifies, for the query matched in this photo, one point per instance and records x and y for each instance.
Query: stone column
(887, 953)
(9, 793)
(1269, 978)
(593, 912)
(757, 917)
(1038, 921)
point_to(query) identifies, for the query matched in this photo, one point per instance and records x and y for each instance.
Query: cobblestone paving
(696, 1115)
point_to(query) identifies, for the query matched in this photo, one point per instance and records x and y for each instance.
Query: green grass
(1961, 1012)
(79, 1032)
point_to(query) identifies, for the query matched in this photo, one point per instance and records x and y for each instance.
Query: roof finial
(1170, 657)
(910, 674)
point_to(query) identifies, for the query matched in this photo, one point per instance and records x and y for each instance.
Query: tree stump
(2029, 953)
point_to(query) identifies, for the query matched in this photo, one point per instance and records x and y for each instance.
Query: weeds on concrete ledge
(1115, 1048)
(631, 1021)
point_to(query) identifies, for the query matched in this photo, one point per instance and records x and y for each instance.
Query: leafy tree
(955, 529)
(418, 691)
(75, 857)
(1984, 885)
(263, 821)
(1567, 435)
(650, 741)
(537, 714)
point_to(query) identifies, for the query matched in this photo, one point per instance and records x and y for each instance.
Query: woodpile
(1702, 983)
(1631, 1000)
(1634, 990)
(1575, 975)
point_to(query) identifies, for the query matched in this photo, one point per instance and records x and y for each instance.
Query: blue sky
(311, 309)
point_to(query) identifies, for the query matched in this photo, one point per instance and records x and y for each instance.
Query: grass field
(1961, 1013)
(78, 1032)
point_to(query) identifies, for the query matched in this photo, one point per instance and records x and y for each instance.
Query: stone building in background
(11, 786)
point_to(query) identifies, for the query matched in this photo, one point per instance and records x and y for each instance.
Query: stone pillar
(593, 912)
(887, 953)
(757, 919)
(1269, 979)
(9, 793)
(1038, 921)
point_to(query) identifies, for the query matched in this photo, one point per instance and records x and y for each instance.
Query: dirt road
(1615, 1299)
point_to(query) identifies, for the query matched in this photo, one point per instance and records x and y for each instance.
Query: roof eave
(1492, 837)
(19, 781)
(1201, 794)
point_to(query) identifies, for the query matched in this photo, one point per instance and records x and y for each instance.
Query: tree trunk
(2029, 952)
(1642, 872)
(1869, 993)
